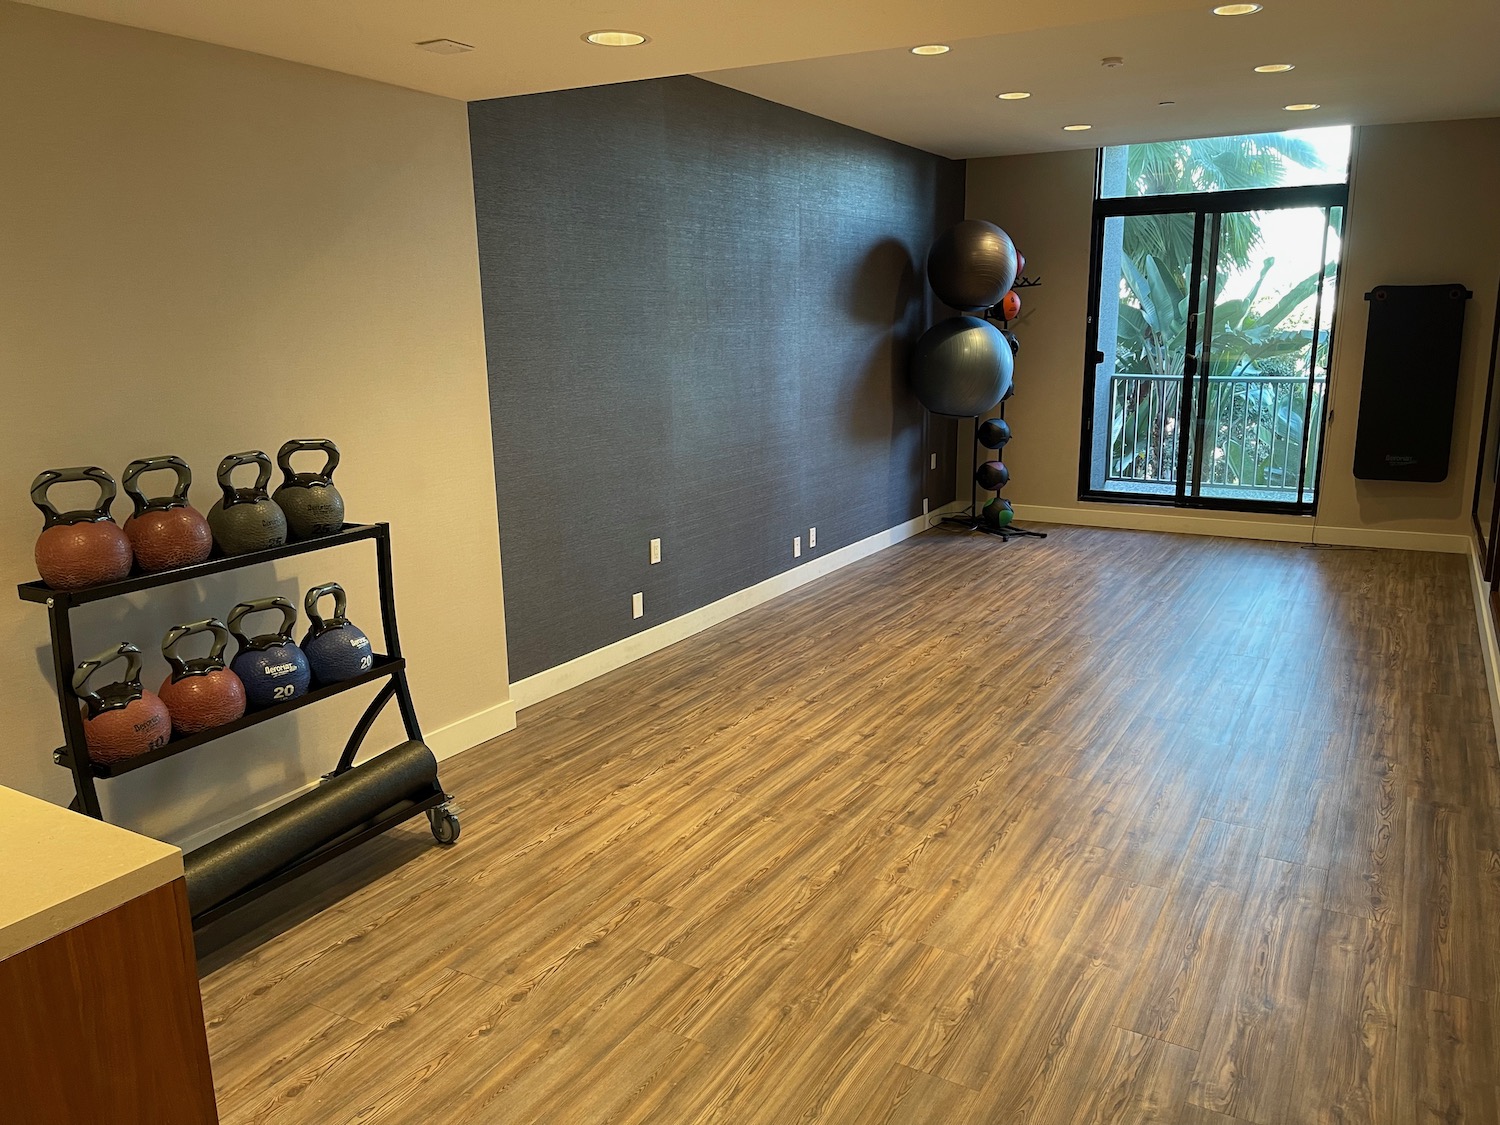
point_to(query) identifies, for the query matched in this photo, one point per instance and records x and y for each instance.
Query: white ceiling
(1366, 62)
(848, 60)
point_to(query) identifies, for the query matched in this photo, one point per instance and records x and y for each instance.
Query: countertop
(59, 869)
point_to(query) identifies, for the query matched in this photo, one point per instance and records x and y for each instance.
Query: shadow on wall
(886, 291)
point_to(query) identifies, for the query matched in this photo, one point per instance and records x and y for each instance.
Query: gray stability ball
(961, 366)
(972, 265)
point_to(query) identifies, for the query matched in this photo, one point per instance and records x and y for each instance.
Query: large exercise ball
(961, 366)
(972, 265)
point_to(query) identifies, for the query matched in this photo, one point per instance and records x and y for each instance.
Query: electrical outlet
(924, 505)
(796, 546)
(934, 461)
(655, 551)
(638, 604)
(812, 537)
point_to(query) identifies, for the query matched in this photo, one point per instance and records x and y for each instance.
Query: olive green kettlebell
(246, 519)
(312, 504)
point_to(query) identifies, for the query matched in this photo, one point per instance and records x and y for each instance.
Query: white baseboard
(468, 733)
(444, 742)
(1297, 529)
(544, 685)
(1489, 643)
(1437, 542)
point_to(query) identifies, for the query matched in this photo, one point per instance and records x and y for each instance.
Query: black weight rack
(389, 667)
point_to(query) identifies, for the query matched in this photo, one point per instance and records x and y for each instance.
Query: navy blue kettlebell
(271, 666)
(335, 649)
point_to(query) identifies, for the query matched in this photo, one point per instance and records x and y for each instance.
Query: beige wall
(206, 251)
(1422, 209)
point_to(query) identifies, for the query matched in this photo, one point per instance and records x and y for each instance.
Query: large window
(1215, 266)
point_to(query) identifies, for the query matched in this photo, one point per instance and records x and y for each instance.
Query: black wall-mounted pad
(1410, 382)
(222, 868)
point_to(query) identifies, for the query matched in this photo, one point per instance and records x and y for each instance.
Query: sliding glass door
(1211, 327)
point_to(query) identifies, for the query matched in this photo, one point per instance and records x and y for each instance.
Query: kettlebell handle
(300, 445)
(131, 682)
(318, 625)
(179, 633)
(179, 497)
(48, 477)
(262, 477)
(245, 609)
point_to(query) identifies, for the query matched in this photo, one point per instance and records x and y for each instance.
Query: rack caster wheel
(445, 826)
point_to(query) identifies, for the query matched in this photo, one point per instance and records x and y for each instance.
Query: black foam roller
(222, 868)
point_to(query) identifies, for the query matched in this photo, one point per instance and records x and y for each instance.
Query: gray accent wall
(697, 309)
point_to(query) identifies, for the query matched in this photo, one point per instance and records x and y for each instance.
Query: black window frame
(1202, 205)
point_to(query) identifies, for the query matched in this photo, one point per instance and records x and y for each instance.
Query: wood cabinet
(101, 1020)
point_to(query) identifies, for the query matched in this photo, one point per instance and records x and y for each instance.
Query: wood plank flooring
(1114, 827)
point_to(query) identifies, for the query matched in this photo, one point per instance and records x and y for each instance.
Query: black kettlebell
(271, 666)
(312, 504)
(246, 519)
(336, 649)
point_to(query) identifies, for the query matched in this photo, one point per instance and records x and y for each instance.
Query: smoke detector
(1111, 61)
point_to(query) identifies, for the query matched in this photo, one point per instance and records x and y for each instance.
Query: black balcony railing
(1255, 431)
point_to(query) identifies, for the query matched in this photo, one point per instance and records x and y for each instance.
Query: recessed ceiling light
(1076, 128)
(615, 39)
(932, 49)
(1298, 107)
(444, 46)
(1236, 9)
(1014, 96)
(1275, 68)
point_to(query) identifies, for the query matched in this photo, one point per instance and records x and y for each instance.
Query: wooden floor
(1112, 827)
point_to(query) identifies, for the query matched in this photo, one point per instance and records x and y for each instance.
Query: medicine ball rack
(390, 666)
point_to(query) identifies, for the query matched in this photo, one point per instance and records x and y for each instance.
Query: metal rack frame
(389, 666)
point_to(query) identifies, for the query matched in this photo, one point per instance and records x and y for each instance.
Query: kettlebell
(83, 547)
(165, 532)
(201, 692)
(271, 666)
(312, 504)
(121, 720)
(336, 649)
(246, 519)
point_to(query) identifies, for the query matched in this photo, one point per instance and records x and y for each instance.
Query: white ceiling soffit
(849, 60)
(1366, 62)
(524, 46)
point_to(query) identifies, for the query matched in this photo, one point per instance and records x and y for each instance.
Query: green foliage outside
(1258, 409)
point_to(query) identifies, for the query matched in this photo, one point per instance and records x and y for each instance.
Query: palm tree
(1212, 164)
(1155, 263)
